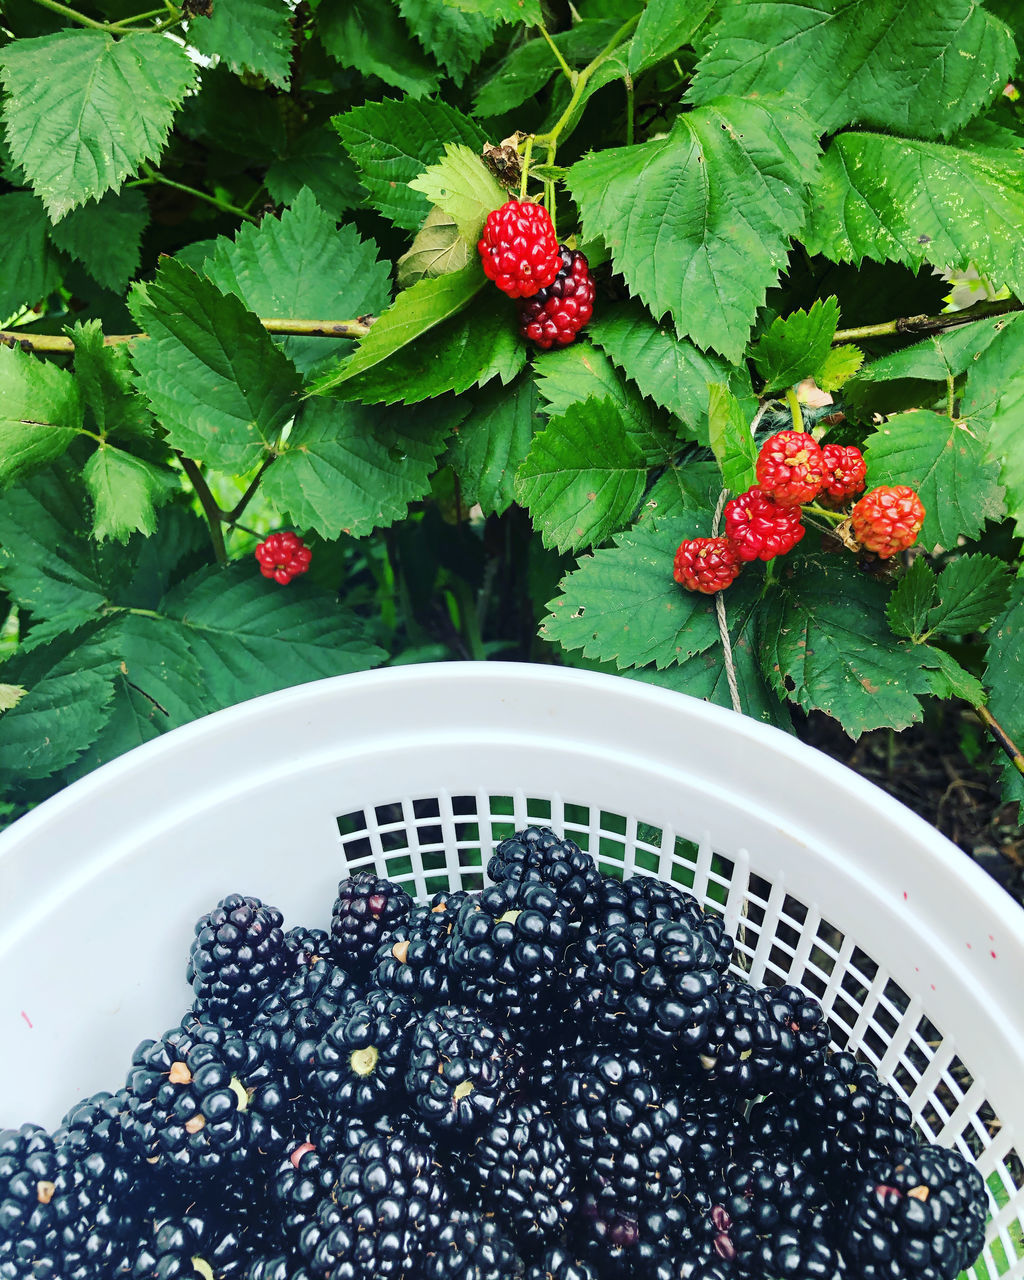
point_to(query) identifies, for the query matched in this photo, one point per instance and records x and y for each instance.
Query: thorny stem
(929, 324)
(54, 344)
(211, 510)
(153, 177)
(1006, 743)
(794, 407)
(566, 69)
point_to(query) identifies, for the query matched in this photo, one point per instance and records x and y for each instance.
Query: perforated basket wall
(916, 957)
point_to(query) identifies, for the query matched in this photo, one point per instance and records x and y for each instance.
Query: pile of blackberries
(556, 1078)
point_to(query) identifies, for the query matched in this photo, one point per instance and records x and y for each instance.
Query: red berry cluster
(283, 556)
(766, 521)
(555, 315)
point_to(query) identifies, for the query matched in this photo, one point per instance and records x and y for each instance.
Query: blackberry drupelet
(462, 1068)
(360, 1058)
(742, 1053)
(507, 952)
(919, 1216)
(415, 959)
(278, 1266)
(365, 911)
(290, 1023)
(644, 899)
(653, 984)
(557, 1264)
(183, 1246)
(237, 957)
(30, 1247)
(469, 1247)
(804, 1035)
(536, 853)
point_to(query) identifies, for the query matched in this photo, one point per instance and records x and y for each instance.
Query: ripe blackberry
(559, 1265)
(30, 1245)
(706, 565)
(714, 1125)
(283, 556)
(518, 248)
(519, 1171)
(361, 1056)
(365, 911)
(415, 959)
(508, 949)
(469, 1247)
(633, 1246)
(643, 899)
(742, 1051)
(803, 1031)
(536, 853)
(653, 984)
(461, 1068)
(888, 519)
(237, 957)
(555, 315)
(919, 1216)
(278, 1266)
(307, 946)
(199, 1241)
(845, 471)
(291, 1022)
(759, 527)
(790, 468)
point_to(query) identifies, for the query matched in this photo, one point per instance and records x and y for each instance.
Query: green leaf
(972, 590)
(125, 491)
(664, 27)
(995, 395)
(105, 237)
(104, 378)
(317, 159)
(525, 72)
(527, 11)
(302, 265)
(455, 38)
(839, 366)
(370, 36)
(82, 132)
(826, 647)
(349, 469)
(210, 370)
(731, 439)
(463, 186)
(250, 636)
(939, 356)
(699, 221)
(10, 696)
(583, 476)
(249, 36)
(40, 413)
(797, 346)
(437, 250)
(1003, 678)
(948, 679)
(905, 65)
(671, 370)
(393, 142)
(491, 443)
(944, 461)
(482, 342)
(692, 486)
(894, 198)
(415, 311)
(907, 607)
(29, 268)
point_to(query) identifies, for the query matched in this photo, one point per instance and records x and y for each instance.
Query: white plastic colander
(915, 954)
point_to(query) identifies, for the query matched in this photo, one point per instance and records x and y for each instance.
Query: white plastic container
(917, 957)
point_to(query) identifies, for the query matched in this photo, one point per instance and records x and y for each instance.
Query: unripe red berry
(759, 528)
(888, 519)
(519, 248)
(790, 468)
(845, 470)
(706, 564)
(283, 556)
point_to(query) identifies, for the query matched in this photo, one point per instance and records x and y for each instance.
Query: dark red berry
(283, 556)
(888, 519)
(555, 315)
(759, 528)
(706, 564)
(519, 248)
(790, 468)
(845, 470)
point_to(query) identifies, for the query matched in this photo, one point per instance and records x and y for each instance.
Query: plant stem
(950, 396)
(527, 152)
(629, 110)
(55, 344)
(211, 510)
(232, 516)
(216, 201)
(73, 14)
(566, 69)
(1006, 743)
(837, 516)
(794, 409)
(126, 23)
(929, 324)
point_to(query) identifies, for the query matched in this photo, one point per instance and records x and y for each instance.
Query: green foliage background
(759, 186)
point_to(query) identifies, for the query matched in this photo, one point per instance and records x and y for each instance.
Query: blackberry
(559, 1265)
(556, 314)
(30, 1247)
(804, 1035)
(359, 1059)
(536, 853)
(469, 1247)
(462, 1068)
(365, 911)
(279, 1266)
(307, 946)
(714, 1125)
(742, 1053)
(518, 1170)
(653, 984)
(237, 957)
(291, 1022)
(919, 1216)
(415, 959)
(644, 899)
(640, 1245)
(508, 949)
(188, 1245)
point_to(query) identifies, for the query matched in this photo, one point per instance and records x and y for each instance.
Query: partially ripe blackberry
(291, 1022)
(469, 1247)
(706, 565)
(361, 1057)
(461, 1068)
(554, 316)
(803, 1033)
(536, 853)
(557, 1264)
(415, 960)
(365, 911)
(238, 956)
(518, 248)
(742, 1053)
(30, 1245)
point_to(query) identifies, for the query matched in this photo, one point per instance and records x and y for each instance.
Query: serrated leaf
(912, 202)
(944, 461)
(907, 607)
(248, 36)
(525, 72)
(463, 186)
(478, 344)
(392, 142)
(972, 590)
(730, 438)
(491, 443)
(583, 476)
(209, 369)
(370, 36)
(690, 488)
(796, 346)
(664, 27)
(302, 265)
(527, 11)
(82, 132)
(826, 647)
(1004, 675)
(105, 237)
(437, 250)
(250, 636)
(995, 395)
(125, 491)
(349, 469)
(104, 378)
(29, 267)
(940, 355)
(704, 213)
(839, 366)
(10, 696)
(318, 160)
(40, 413)
(948, 679)
(415, 311)
(455, 38)
(907, 65)
(671, 370)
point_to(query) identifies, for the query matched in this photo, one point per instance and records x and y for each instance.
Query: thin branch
(152, 176)
(211, 510)
(232, 516)
(73, 15)
(1006, 743)
(566, 69)
(930, 324)
(55, 344)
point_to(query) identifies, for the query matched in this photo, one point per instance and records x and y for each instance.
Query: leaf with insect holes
(490, 444)
(40, 413)
(972, 590)
(731, 440)
(912, 597)
(248, 36)
(463, 186)
(796, 347)
(1003, 672)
